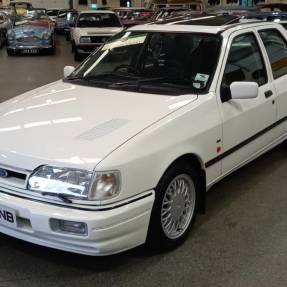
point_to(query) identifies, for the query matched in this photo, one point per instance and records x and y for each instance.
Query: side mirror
(243, 90)
(68, 70)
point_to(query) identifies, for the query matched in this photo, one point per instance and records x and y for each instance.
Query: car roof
(179, 27)
(97, 11)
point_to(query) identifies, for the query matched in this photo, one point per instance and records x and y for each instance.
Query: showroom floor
(241, 241)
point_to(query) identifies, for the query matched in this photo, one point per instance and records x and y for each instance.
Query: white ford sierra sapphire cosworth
(121, 152)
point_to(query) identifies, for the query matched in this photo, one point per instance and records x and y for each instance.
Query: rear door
(274, 40)
(246, 122)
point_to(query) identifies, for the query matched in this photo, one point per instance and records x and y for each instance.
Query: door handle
(268, 94)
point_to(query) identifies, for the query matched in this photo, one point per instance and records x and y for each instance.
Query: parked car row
(88, 30)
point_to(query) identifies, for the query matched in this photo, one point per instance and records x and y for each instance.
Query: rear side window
(245, 62)
(276, 48)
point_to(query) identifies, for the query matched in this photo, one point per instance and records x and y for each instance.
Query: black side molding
(243, 143)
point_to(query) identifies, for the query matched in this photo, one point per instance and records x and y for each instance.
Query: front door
(246, 122)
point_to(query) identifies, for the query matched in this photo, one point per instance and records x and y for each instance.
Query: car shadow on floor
(58, 257)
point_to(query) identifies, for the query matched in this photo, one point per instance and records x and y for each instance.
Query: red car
(37, 17)
(134, 16)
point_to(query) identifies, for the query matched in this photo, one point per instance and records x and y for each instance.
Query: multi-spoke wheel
(175, 207)
(178, 206)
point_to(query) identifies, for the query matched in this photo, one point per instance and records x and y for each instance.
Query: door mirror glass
(243, 90)
(68, 70)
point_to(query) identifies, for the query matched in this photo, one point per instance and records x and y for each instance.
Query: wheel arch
(196, 162)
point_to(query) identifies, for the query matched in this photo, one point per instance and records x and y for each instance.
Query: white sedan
(122, 151)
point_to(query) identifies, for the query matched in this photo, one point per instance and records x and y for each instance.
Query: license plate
(7, 216)
(30, 51)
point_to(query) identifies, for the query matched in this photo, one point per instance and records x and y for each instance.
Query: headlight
(55, 180)
(85, 40)
(11, 35)
(46, 36)
(74, 183)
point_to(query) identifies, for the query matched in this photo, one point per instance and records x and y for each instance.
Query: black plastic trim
(242, 144)
(77, 207)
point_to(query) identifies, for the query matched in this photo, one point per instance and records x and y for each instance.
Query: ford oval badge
(3, 173)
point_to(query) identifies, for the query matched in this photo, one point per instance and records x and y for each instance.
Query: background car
(171, 12)
(63, 20)
(53, 13)
(71, 21)
(233, 10)
(193, 5)
(5, 22)
(134, 16)
(273, 7)
(32, 34)
(10, 12)
(2, 38)
(29, 39)
(92, 29)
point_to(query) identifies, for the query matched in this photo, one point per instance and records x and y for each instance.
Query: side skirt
(251, 158)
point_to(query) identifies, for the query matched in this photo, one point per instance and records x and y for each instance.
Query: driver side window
(245, 62)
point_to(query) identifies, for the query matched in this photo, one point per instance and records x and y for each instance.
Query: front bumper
(87, 48)
(110, 230)
(20, 49)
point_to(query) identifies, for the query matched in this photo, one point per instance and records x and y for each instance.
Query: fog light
(73, 227)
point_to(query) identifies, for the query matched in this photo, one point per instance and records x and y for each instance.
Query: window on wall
(276, 48)
(83, 2)
(245, 62)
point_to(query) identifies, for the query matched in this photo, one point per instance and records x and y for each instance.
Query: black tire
(77, 56)
(52, 51)
(10, 52)
(73, 47)
(157, 240)
(2, 40)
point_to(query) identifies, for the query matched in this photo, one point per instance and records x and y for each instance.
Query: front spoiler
(110, 231)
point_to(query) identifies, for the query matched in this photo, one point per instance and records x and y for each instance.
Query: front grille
(14, 177)
(27, 40)
(99, 39)
(15, 174)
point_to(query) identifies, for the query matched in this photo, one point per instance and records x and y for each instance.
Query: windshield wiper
(74, 78)
(135, 82)
(64, 197)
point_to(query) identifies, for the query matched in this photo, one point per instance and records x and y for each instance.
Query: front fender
(143, 159)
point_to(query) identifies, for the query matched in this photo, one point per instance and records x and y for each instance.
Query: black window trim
(284, 39)
(212, 78)
(228, 96)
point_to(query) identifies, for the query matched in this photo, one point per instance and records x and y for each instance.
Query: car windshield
(152, 62)
(98, 20)
(52, 13)
(62, 14)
